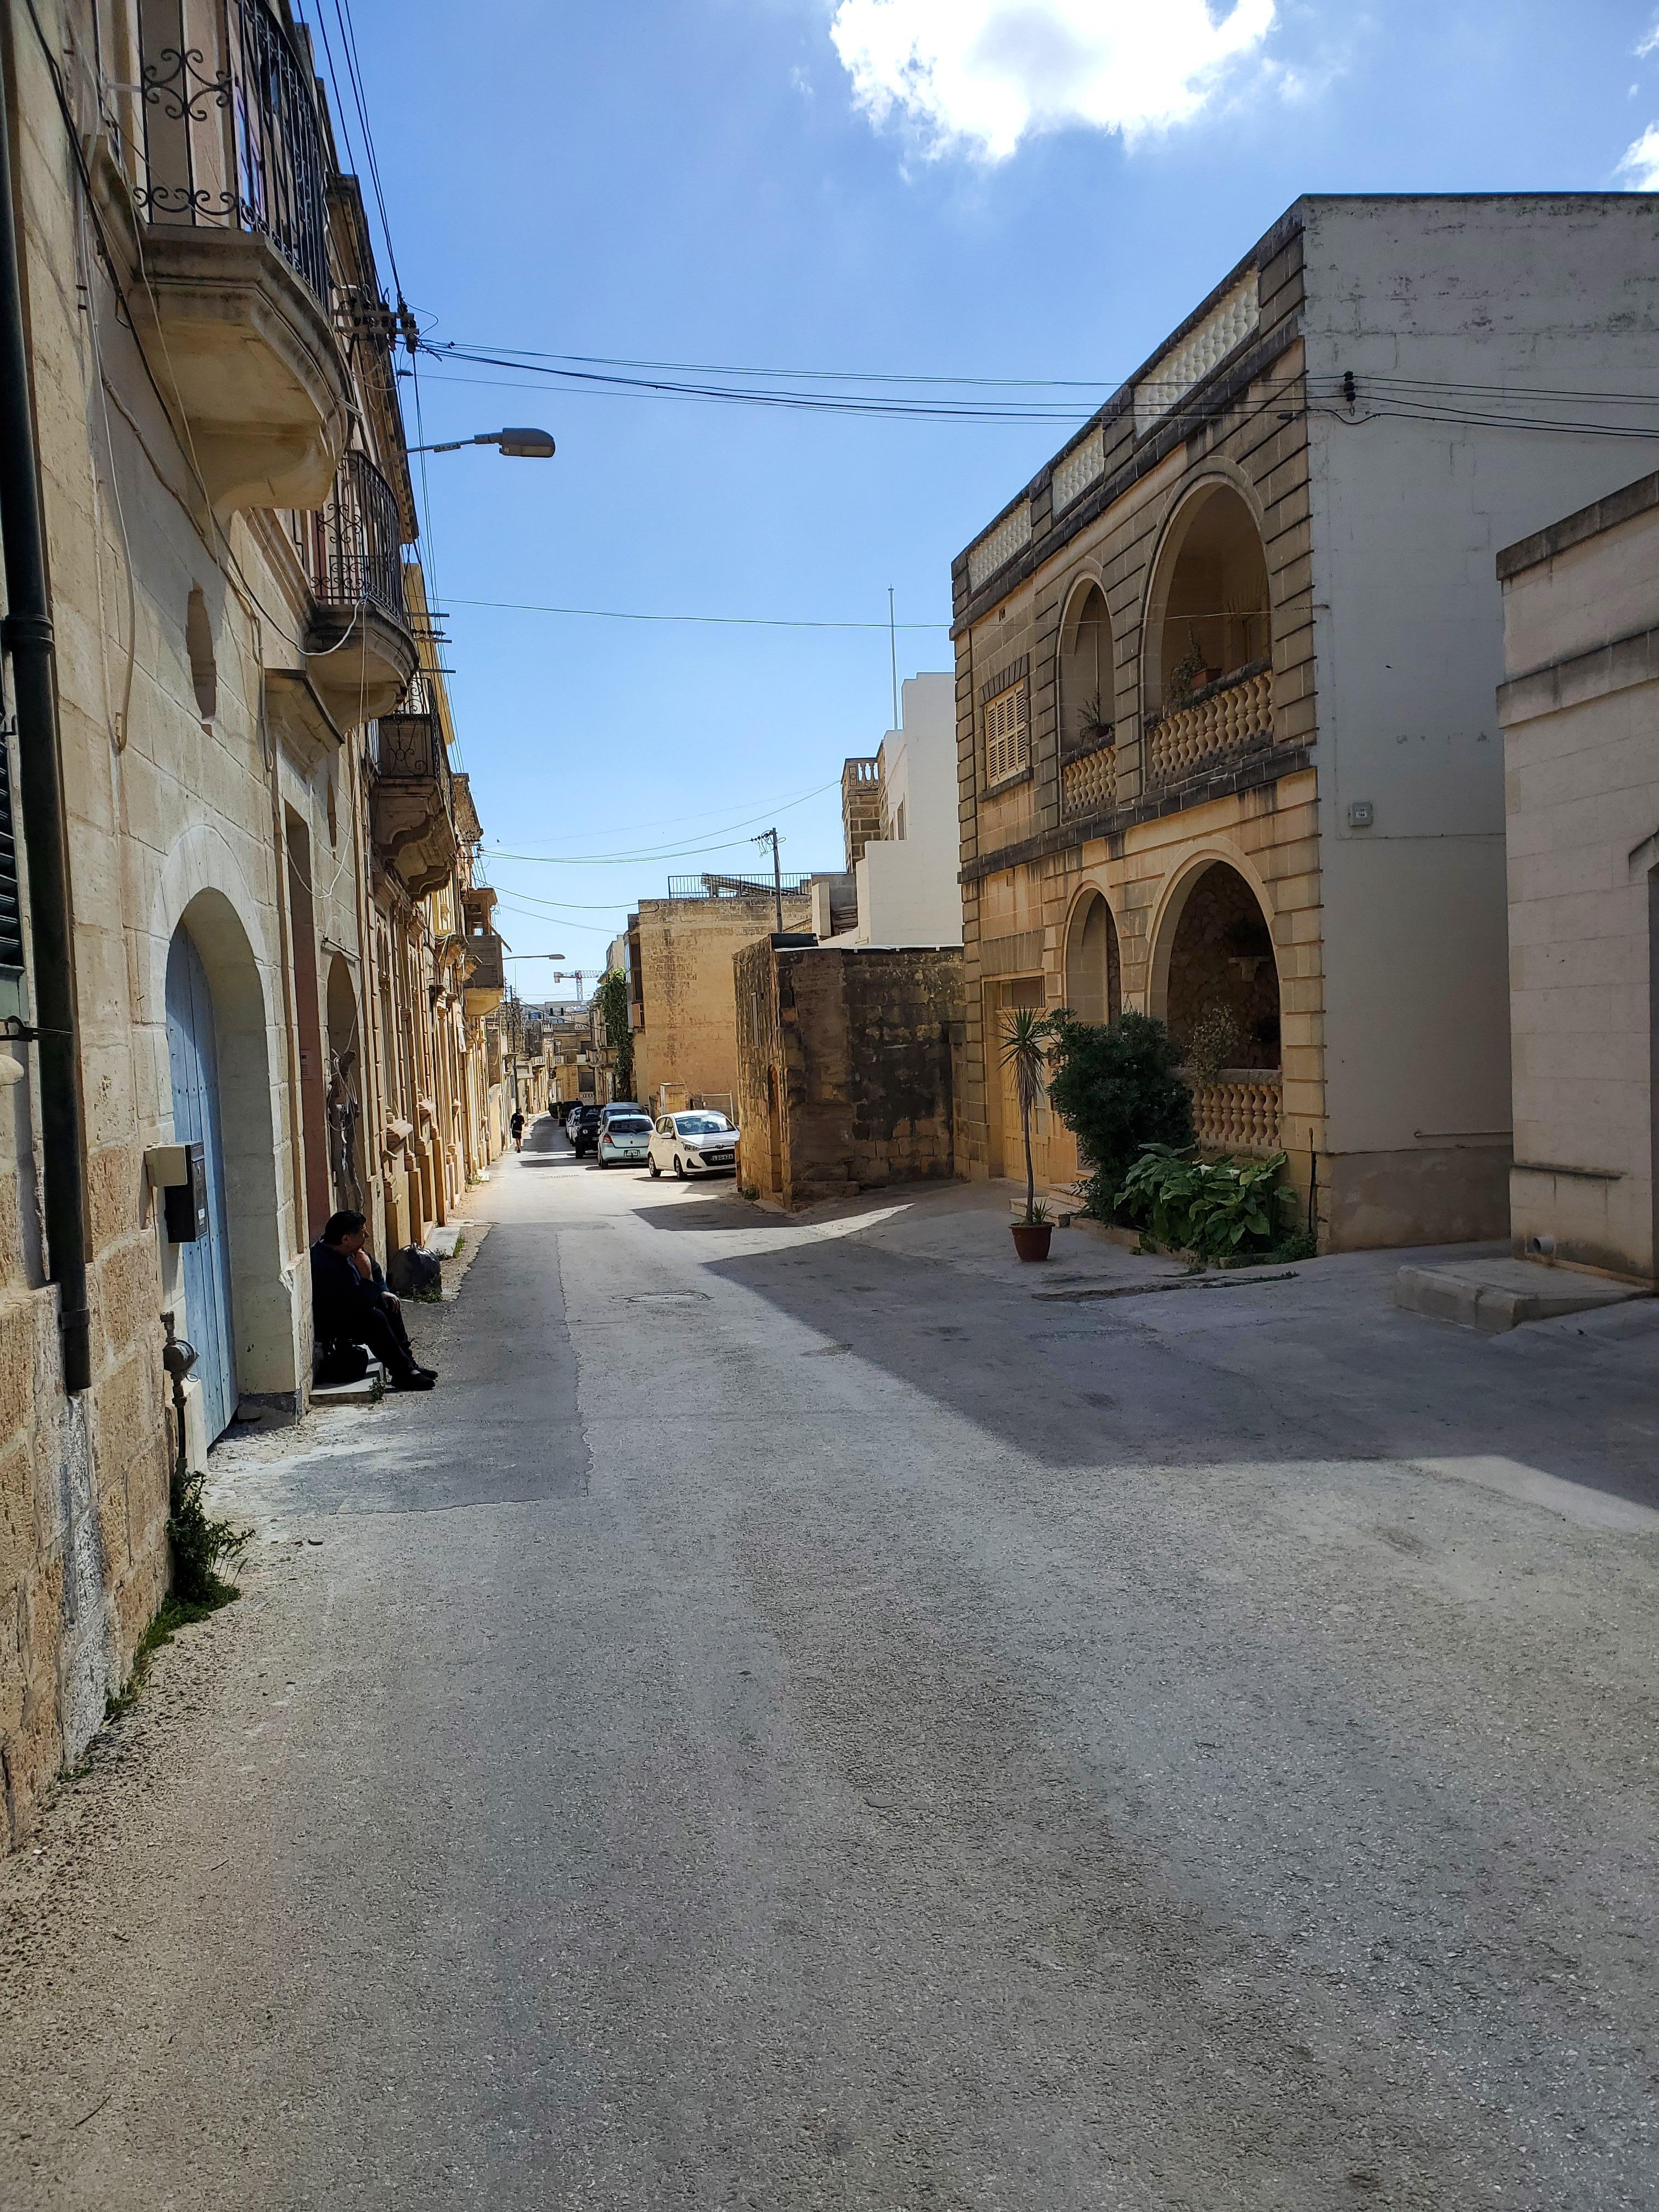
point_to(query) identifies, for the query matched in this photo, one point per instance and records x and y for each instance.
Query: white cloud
(981, 75)
(1641, 161)
(1650, 45)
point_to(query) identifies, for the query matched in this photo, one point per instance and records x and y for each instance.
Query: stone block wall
(847, 1068)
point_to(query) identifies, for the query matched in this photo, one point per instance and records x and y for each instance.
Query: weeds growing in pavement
(200, 1546)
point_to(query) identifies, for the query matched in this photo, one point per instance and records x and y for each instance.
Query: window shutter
(1007, 734)
(11, 915)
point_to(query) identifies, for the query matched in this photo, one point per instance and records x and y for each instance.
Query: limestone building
(1580, 711)
(1225, 669)
(680, 981)
(233, 881)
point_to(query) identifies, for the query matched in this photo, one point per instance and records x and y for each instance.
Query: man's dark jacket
(340, 1298)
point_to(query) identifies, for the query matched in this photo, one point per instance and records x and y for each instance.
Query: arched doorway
(1221, 981)
(193, 1066)
(1206, 676)
(1085, 670)
(1094, 987)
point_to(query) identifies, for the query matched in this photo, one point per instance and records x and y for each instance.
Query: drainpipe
(28, 637)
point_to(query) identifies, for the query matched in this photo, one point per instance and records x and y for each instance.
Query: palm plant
(1026, 1032)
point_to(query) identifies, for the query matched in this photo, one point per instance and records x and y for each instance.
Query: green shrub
(201, 1547)
(1117, 1089)
(1219, 1209)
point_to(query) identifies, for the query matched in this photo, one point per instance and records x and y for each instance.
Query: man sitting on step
(351, 1304)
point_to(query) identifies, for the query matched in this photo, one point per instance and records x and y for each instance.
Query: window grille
(11, 913)
(1007, 734)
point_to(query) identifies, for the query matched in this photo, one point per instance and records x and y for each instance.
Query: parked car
(572, 1115)
(584, 1130)
(698, 1142)
(624, 1135)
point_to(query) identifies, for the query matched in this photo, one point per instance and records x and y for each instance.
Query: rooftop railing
(734, 887)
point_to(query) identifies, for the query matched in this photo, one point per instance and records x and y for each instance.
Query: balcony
(486, 981)
(1088, 781)
(1230, 717)
(232, 246)
(411, 809)
(468, 828)
(360, 651)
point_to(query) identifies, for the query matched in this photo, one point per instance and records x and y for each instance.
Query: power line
(744, 622)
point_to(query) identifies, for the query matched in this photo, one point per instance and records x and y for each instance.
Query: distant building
(1580, 711)
(1224, 679)
(905, 868)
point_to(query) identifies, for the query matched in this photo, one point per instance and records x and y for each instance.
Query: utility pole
(771, 836)
(892, 651)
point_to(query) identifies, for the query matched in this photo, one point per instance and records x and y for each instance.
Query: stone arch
(1094, 967)
(1086, 666)
(1208, 613)
(261, 1295)
(1213, 958)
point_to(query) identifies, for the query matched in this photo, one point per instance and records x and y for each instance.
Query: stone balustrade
(1088, 785)
(1227, 718)
(1239, 1112)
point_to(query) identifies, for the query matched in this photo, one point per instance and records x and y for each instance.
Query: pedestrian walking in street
(351, 1304)
(517, 1127)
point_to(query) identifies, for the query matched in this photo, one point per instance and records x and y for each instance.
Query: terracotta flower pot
(1031, 1238)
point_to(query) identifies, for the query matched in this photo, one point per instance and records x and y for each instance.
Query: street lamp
(515, 444)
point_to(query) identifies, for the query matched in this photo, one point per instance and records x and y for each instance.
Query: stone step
(368, 1392)
(1496, 1295)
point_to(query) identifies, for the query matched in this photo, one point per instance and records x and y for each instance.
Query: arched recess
(1208, 612)
(346, 1177)
(262, 1313)
(1215, 971)
(1086, 674)
(1094, 972)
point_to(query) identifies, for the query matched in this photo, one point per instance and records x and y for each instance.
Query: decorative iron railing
(237, 146)
(1088, 782)
(351, 547)
(411, 750)
(1240, 1112)
(1232, 716)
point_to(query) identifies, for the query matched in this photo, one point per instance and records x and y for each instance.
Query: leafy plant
(1026, 1035)
(1183, 677)
(201, 1547)
(1117, 1088)
(1091, 722)
(1213, 1041)
(612, 996)
(1218, 1209)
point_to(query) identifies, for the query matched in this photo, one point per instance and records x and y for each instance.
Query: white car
(698, 1142)
(624, 1139)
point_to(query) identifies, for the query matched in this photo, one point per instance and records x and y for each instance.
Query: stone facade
(1580, 710)
(1242, 623)
(846, 1062)
(687, 1032)
(267, 953)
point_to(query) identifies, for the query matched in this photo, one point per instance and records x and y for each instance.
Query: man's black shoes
(418, 1378)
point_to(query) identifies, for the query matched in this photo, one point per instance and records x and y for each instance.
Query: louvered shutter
(11, 916)
(1007, 734)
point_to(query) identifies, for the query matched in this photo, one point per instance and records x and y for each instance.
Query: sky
(981, 189)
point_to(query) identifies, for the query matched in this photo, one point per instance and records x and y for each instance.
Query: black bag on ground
(413, 1274)
(340, 1362)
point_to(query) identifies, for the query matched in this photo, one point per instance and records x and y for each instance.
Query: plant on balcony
(1117, 1087)
(1214, 1209)
(1191, 672)
(1092, 727)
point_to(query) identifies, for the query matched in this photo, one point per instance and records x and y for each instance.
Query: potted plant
(1093, 729)
(1025, 1034)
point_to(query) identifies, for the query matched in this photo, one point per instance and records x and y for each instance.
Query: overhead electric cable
(745, 622)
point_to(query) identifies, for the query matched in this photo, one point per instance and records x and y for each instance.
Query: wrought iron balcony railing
(232, 139)
(411, 748)
(352, 547)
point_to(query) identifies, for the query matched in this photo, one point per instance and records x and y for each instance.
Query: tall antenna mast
(892, 649)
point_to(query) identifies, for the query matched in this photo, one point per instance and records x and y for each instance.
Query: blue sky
(991, 188)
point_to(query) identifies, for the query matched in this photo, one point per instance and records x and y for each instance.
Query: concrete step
(1496, 1295)
(368, 1392)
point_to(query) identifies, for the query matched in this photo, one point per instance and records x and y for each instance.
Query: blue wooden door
(192, 1056)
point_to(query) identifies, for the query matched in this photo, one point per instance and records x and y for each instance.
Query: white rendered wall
(906, 887)
(1560, 291)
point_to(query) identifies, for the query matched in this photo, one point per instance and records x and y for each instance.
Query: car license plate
(718, 1159)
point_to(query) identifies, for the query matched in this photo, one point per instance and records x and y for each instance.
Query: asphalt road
(797, 1719)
